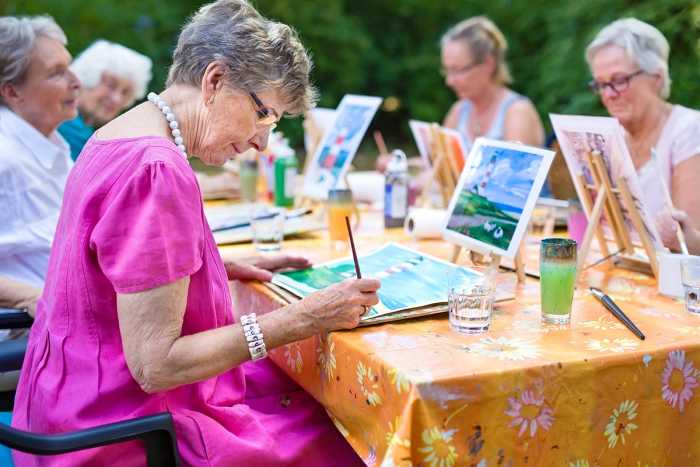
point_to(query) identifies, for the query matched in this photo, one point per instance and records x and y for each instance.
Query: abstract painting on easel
(333, 156)
(581, 136)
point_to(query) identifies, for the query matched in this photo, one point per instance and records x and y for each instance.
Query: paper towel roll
(425, 223)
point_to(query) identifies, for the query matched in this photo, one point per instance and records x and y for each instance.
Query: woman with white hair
(474, 66)
(136, 316)
(38, 92)
(629, 63)
(112, 77)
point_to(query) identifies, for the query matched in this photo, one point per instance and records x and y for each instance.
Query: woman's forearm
(159, 357)
(20, 295)
(209, 353)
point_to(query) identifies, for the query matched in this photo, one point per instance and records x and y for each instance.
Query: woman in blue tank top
(473, 63)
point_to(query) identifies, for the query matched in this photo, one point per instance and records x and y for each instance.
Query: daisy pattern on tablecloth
(620, 423)
(369, 384)
(392, 438)
(530, 413)
(292, 355)
(326, 357)
(689, 330)
(678, 380)
(371, 458)
(617, 345)
(438, 448)
(579, 463)
(603, 323)
(504, 348)
(401, 383)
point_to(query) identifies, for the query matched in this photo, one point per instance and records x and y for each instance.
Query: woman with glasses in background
(136, 316)
(629, 63)
(474, 67)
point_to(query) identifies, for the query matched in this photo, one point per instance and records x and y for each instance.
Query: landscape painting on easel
(581, 136)
(495, 196)
(423, 138)
(455, 147)
(334, 154)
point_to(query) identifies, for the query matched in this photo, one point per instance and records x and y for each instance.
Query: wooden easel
(443, 170)
(495, 260)
(612, 200)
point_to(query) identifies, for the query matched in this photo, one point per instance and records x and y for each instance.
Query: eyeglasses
(458, 71)
(266, 115)
(617, 85)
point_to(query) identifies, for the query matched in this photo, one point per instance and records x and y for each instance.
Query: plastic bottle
(396, 190)
(285, 179)
(249, 180)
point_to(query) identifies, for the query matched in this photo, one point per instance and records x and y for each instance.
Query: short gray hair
(260, 54)
(483, 38)
(103, 56)
(17, 37)
(643, 44)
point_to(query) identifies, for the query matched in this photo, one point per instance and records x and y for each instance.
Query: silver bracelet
(253, 336)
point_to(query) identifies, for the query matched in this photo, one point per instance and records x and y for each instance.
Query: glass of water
(470, 303)
(267, 223)
(690, 273)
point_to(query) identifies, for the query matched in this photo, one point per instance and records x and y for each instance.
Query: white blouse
(33, 174)
(679, 141)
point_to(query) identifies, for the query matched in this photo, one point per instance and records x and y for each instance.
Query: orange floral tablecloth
(524, 393)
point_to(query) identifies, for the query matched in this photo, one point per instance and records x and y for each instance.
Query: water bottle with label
(396, 190)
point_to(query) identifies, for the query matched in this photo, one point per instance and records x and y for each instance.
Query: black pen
(615, 310)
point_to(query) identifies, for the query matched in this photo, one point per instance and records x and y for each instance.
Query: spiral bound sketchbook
(412, 283)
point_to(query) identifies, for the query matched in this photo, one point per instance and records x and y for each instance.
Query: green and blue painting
(494, 193)
(409, 278)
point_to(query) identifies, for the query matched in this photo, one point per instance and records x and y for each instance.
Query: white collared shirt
(33, 173)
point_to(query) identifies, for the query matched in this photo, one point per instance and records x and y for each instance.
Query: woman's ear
(212, 81)
(659, 83)
(9, 94)
(490, 63)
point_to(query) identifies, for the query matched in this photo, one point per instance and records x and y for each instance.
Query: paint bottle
(396, 190)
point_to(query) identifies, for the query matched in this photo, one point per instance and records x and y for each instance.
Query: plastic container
(396, 190)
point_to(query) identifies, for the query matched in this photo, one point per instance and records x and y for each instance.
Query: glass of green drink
(557, 278)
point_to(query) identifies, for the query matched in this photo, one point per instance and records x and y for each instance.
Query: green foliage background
(390, 47)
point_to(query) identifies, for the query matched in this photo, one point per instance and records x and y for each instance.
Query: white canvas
(334, 154)
(422, 136)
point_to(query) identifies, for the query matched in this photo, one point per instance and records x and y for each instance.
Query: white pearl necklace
(172, 122)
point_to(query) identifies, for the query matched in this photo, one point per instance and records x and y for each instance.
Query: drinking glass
(690, 273)
(267, 224)
(557, 278)
(470, 302)
(340, 205)
(249, 180)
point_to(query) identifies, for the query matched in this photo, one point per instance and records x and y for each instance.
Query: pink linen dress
(132, 219)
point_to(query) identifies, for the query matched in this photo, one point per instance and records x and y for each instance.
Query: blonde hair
(259, 54)
(483, 38)
(642, 43)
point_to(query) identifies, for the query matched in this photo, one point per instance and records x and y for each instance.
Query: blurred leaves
(391, 47)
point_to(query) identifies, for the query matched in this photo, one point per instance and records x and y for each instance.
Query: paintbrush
(667, 194)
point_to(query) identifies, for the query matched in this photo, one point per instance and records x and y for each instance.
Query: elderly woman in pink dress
(136, 316)
(629, 62)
